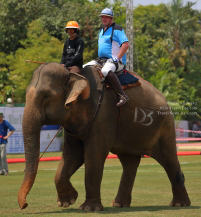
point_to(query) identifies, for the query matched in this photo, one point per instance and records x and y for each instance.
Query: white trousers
(3, 162)
(108, 66)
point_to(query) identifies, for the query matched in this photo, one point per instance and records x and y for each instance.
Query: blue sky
(156, 2)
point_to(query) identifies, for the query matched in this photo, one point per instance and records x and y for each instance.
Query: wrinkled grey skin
(56, 96)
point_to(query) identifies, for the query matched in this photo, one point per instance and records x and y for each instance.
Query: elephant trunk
(31, 131)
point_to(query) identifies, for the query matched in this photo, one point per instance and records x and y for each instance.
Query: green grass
(151, 194)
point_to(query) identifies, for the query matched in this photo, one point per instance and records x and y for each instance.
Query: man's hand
(10, 133)
(115, 59)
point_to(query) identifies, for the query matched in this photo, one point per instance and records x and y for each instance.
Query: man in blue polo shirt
(112, 47)
(4, 126)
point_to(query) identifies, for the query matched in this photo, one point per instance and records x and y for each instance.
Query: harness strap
(111, 37)
(94, 116)
(119, 117)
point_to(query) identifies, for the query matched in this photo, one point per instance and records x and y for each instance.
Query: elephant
(93, 127)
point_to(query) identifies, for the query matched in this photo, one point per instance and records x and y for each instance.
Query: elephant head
(49, 99)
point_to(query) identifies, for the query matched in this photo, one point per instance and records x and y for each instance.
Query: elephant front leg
(72, 159)
(94, 163)
(130, 164)
(67, 194)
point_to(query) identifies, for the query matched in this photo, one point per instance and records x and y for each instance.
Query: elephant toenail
(66, 204)
(81, 208)
(87, 208)
(171, 204)
(117, 204)
(72, 201)
(97, 209)
(59, 204)
(177, 204)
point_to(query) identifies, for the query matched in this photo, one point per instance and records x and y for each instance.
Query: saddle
(127, 79)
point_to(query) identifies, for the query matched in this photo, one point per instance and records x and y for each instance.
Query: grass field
(151, 194)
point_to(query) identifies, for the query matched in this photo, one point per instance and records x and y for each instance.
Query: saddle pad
(127, 78)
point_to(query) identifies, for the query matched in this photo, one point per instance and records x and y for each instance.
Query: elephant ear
(79, 85)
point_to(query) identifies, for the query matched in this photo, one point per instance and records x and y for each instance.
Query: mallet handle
(34, 62)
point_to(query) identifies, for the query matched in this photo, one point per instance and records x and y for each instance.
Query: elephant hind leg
(130, 164)
(166, 155)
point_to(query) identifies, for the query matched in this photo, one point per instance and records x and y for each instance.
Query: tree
(6, 86)
(13, 23)
(119, 9)
(38, 46)
(15, 16)
(178, 18)
(102, 3)
(147, 20)
(157, 59)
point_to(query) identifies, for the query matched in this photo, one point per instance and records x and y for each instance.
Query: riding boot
(112, 78)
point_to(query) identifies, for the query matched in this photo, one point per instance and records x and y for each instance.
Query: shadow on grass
(109, 210)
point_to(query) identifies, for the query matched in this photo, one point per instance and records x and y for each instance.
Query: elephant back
(92, 74)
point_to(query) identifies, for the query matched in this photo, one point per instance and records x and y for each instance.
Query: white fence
(15, 141)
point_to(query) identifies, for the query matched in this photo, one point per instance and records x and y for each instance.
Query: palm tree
(179, 20)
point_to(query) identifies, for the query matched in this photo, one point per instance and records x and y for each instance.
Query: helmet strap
(72, 35)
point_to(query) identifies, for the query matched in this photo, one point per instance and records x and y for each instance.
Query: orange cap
(72, 24)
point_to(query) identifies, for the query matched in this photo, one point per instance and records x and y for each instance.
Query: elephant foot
(91, 206)
(180, 197)
(120, 203)
(179, 203)
(65, 200)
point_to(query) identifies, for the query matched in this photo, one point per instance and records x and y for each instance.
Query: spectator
(196, 127)
(4, 126)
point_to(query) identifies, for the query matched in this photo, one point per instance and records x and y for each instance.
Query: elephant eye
(45, 96)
